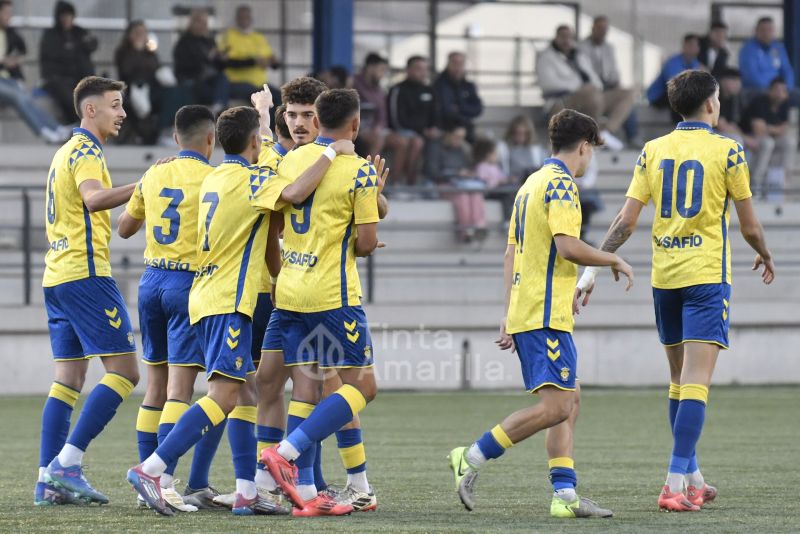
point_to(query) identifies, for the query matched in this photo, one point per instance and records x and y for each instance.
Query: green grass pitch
(750, 449)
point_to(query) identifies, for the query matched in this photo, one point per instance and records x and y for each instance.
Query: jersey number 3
(668, 186)
(172, 214)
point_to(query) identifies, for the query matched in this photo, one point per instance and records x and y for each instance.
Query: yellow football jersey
(243, 46)
(271, 153)
(691, 174)
(167, 198)
(543, 283)
(78, 239)
(319, 263)
(232, 240)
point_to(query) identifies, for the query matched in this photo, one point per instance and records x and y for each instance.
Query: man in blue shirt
(687, 59)
(763, 58)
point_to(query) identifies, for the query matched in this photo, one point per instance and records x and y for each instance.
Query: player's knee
(558, 412)
(370, 391)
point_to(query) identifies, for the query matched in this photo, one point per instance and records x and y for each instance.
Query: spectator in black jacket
(199, 64)
(65, 58)
(12, 88)
(412, 113)
(456, 97)
(714, 53)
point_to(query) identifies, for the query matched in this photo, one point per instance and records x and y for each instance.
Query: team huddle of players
(216, 266)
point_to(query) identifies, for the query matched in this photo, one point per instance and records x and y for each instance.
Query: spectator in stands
(763, 58)
(456, 97)
(199, 63)
(687, 59)
(152, 100)
(568, 80)
(412, 115)
(65, 58)
(518, 153)
(731, 109)
(247, 55)
(448, 164)
(603, 58)
(374, 136)
(12, 88)
(335, 77)
(714, 53)
(767, 120)
(485, 157)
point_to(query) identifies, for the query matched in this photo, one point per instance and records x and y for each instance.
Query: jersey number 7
(212, 198)
(668, 185)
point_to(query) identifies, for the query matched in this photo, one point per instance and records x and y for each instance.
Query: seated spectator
(687, 59)
(12, 88)
(199, 63)
(767, 120)
(518, 153)
(568, 80)
(374, 136)
(247, 55)
(714, 53)
(499, 186)
(763, 58)
(731, 109)
(412, 115)
(448, 165)
(65, 58)
(335, 77)
(456, 97)
(151, 102)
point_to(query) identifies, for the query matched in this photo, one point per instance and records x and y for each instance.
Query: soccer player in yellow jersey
(86, 314)
(318, 295)
(232, 240)
(166, 202)
(540, 273)
(691, 175)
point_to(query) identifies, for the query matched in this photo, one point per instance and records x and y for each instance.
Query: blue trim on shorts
(246, 260)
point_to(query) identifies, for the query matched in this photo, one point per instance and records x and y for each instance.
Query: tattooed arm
(621, 229)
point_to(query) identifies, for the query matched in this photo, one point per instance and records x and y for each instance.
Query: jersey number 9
(301, 226)
(668, 185)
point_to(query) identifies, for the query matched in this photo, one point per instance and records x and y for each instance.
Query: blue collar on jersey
(193, 155)
(324, 141)
(557, 162)
(87, 133)
(693, 125)
(236, 158)
(280, 149)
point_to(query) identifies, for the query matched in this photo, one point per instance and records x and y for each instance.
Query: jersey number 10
(668, 186)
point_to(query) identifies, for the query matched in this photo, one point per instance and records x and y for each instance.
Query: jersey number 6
(668, 184)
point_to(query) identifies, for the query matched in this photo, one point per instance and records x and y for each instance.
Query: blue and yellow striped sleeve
(365, 195)
(640, 187)
(737, 174)
(563, 207)
(86, 162)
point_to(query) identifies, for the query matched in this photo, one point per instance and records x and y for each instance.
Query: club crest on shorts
(367, 351)
(564, 374)
(130, 338)
(238, 363)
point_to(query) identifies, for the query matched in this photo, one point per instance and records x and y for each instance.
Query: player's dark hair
(413, 59)
(193, 120)
(688, 90)
(302, 90)
(763, 20)
(373, 58)
(280, 122)
(719, 25)
(93, 86)
(691, 37)
(336, 106)
(568, 128)
(235, 126)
